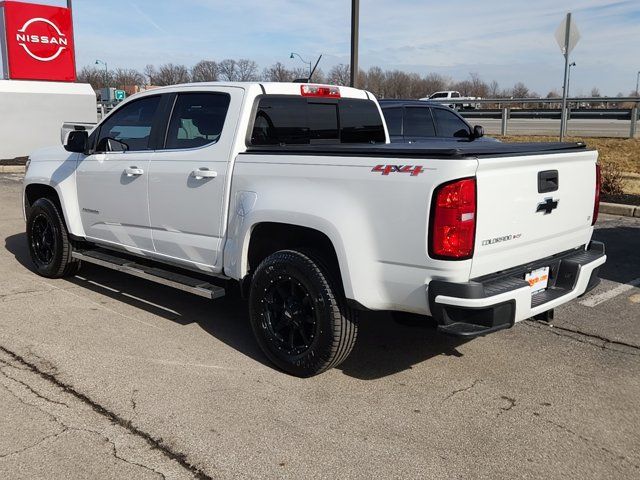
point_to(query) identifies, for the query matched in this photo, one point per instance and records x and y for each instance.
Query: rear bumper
(498, 301)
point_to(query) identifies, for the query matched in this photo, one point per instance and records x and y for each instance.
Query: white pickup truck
(295, 192)
(446, 95)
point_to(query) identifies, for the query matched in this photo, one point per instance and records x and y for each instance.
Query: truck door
(188, 178)
(112, 182)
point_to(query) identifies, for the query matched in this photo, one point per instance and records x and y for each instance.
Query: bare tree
(319, 76)
(277, 73)
(228, 70)
(478, 87)
(247, 70)
(170, 74)
(375, 82)
(435, 82)
(127, 77)
(520, 90)
(151, 74)
(97, 78)
(494, 89)
(339, 75)
(204, 71)
(464, 87)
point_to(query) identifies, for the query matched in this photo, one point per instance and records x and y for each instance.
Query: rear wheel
(298, 314)
(48, 240)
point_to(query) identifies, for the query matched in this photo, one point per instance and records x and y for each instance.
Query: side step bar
(154, 274)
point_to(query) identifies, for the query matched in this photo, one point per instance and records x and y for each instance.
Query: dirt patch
(14, 161)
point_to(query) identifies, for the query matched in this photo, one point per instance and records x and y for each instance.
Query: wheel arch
(35, 190)
(268, 237)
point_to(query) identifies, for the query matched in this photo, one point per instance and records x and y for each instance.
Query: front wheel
(49, 244)
(298, 314)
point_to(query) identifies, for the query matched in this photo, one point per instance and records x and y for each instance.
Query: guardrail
(507, 109)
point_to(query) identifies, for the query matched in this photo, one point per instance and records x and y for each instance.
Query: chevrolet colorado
(294, 192)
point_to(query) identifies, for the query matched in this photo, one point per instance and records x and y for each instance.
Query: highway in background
(545, 126)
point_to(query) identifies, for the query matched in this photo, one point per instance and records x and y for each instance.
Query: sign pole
(355, 21)
(563, 121)
(73, 30)
(3, 45)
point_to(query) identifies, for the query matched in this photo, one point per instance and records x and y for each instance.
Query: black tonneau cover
(421, 150)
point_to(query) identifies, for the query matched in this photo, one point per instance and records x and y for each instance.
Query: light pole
(355, 27)
(293, 55)
(106, 72)
(637, 82)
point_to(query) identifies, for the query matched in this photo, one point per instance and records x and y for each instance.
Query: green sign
(120, 95)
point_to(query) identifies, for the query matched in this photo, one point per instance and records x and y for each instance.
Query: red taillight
(453, 220)
(596, 205)
(319, 91)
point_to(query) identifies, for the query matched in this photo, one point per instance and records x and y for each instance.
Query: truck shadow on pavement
(623, 256)
(383, 347)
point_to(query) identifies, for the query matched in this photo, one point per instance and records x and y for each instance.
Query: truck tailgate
(518, 221)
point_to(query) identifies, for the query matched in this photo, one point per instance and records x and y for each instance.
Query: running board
(158, 275)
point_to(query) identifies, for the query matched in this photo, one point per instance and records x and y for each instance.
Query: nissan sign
(38, 42)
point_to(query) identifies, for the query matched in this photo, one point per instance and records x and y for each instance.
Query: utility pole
(355, 21)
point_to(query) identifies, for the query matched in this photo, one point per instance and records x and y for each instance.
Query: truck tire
(299, 315)
(48, 241)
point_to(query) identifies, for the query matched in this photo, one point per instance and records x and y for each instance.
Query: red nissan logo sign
(39, 42)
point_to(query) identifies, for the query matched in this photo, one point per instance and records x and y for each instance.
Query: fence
(512, 108)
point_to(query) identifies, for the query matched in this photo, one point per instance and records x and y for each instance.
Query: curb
(12, 168)
(619, 209)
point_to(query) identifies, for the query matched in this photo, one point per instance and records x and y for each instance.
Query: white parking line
(609, 294)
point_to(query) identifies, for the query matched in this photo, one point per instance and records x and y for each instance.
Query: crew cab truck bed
(295, 192)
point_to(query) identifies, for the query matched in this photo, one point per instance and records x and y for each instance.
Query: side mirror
(77, 141)
(478, 131)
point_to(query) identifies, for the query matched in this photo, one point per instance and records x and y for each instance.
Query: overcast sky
(503, 40)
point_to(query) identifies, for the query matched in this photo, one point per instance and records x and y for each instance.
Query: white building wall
(32, 113)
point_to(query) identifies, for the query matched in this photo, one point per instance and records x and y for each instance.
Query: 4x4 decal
(387, 169)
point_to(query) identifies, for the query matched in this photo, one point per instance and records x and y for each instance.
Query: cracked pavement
(108, 376)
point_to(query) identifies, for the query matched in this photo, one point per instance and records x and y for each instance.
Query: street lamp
(106, 71)
(637, 81)
(293, 55)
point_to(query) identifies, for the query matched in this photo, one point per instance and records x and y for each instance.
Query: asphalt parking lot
(108, 376)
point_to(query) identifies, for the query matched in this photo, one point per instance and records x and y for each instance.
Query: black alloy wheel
(299, 315)
(289, 317)
(48, 240)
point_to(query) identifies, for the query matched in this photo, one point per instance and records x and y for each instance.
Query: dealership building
(38, 89)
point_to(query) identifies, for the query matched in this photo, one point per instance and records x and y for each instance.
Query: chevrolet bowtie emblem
(548, 206)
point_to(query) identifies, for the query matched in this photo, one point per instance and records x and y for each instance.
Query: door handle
(201, 173)
(133, 171)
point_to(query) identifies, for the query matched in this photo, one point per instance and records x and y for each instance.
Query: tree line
(382, 83)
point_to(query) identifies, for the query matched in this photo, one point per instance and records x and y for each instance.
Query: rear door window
(197, 120)
(284, 120)
(418, 122)
(449, 124)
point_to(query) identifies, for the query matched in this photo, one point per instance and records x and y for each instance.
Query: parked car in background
(411, 121)
(442, 97)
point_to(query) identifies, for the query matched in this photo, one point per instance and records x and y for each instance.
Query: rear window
(283, 120)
